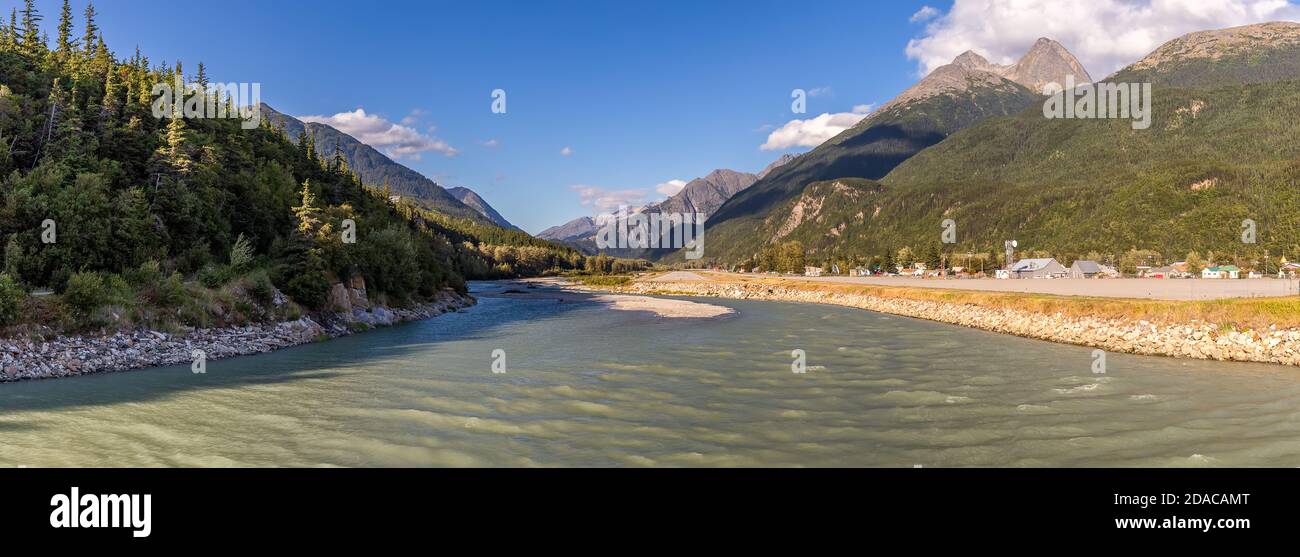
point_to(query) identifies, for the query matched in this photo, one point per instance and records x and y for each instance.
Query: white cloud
(926, 13)
(820, 91)
(810, 133)
(604, 201)
(414, 117)
(395, 140)
(864, 108)
(567, 151)
(671, 187)
(491, 143)
(1105, 35)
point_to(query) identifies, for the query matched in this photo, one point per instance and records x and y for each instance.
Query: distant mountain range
(377, 170)
(700, 196)
(970, 143)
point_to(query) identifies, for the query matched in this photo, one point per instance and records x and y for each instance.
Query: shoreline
(1191, 339)
(80, 355)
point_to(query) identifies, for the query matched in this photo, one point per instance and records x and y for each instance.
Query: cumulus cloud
(604, 201)
(1105, 35)
(926, 13)
(567, 151)
(820, 91)
(395, 140)
(864, 108)
(671, 187)
(414, 117)
(491, 143)
(812, 132)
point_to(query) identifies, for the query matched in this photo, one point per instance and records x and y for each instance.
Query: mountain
(1223, 148)
(474, 201)
(705, 195)
(576, 229)
(1250, 54)
(701, 195)
(374, 168)
(952, 97)
(778, 163)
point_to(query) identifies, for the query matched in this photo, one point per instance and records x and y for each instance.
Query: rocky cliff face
(1046, 62)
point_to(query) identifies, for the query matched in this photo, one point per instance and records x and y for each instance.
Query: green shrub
(241, 254)
(170, 291)
(84, 292)
(259, 288)
(148, 275)
(11, 299)
(215, 276)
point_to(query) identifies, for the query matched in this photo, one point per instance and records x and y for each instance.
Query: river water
(587, 385)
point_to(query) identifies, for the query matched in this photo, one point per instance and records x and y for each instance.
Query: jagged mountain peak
(1046, 62)
(973, 61)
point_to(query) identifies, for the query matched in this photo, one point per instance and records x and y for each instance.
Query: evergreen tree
(202, 78)
(92, 30)
(65, 28)
(31, 37)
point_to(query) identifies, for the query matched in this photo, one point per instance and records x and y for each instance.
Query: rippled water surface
(590, 386)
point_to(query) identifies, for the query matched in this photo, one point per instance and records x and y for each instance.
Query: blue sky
(640, 92)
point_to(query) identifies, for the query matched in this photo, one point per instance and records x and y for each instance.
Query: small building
(1221, 272)
(1039, 268)
(812, 271)
(1085, 269)
(1166, 272)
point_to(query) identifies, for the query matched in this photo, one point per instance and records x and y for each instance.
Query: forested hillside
(133, 218)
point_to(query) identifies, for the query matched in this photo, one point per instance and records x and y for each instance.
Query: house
(1255, 275)
(1002, 274)
(1166, 272)
(1085, 269)
(1039, 268)
(812, 271)
(1221, 272)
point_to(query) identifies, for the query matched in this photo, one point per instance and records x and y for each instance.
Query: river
(588, 385)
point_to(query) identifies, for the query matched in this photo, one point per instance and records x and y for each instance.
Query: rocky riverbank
(1198, 340)
(69, 356)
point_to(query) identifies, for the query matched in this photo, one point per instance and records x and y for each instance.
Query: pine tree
(309, 212)
(202, 77)
(92, 31)
(110, 104)
(307, 145)
(65, 28)
(31, 28)
(11, 32)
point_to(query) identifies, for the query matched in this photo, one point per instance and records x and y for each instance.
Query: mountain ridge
(373, 167)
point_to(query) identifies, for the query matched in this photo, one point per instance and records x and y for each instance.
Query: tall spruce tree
(65, 28)
(31, 36)
(92, 30)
